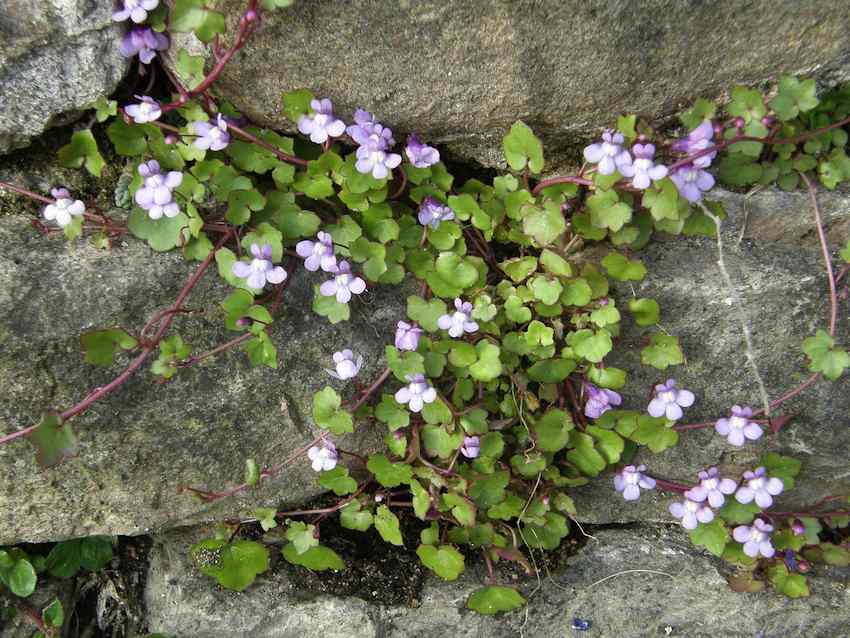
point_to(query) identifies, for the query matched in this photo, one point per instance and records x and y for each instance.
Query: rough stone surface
(462, 71)
(57, 56)
(684, 595)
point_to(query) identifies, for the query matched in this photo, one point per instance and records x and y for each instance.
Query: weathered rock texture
(57, 56)
(462, 71)
(684, 595)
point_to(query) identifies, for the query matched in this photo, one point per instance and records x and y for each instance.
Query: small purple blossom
(713, 488)
(324, 456)
(156, 195)
(343, 285)
(693, 510)
(64, 209)
(698, 140)
(669, 401)
(420, 155)
(643, 170)
(692, 182)
(147, 110)
(407, 336)
(144, 42)
(213, 137)
(346, 365)
(599, 400)
(471, 447)
(433, 211)
(609, 155)
(373, 158)
(798, 528)
(459, 321)
(759, 487)
(322, 124)
(365, 125)
(260, 269)
(756, 539)
(318, 254)
(416, 393)
(738, 427)
(630, 480)
(136, 10)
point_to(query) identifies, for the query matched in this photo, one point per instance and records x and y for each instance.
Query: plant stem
(368, 392)
(217, 350)
(26, 193)
(827, 262)
(671, 486)
(283, 157)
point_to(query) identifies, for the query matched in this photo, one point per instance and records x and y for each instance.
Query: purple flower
(609, 155)
(738, 427)
(599, 400)
(433, 211)
(420, 155)
(759, 487)
(643, 170)
(156, 194)
(713, 488)
(64, 209)
(698, 140)
(136, 10)
(692, 510)
(146, 111)
(318, 254)
(212, 136)
(372, 158)
(260, 269)
(692, 182)
(144, 42)
(324, 456)
(797, 527)
(346, 366)
(343, 285)
(669, 401)
(416, 393)
(471, 447)
(366, 126)
(756, 539)
(407, 336)
(630, 480)
(322, 124)
(459, 321)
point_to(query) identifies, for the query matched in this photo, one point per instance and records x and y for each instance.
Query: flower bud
(798, 528)
(768, 120)
(170, 139)
(739, 122)
(243, 322)
(803, 566)
(251, 16)
(718, 130)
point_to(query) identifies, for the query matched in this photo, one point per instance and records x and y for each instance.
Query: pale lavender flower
(599, 400)
(364, 125)
(669, 401)
(713, 488)
(343, 285)
(136, 10)
(759, 487)
(146, 111)
(609, 155)
(346, 365)
(692, 510)
(433, 211)
(698, 140)
(459, 321)
(630, 480)
(643, 170)
(738, 427)
(420, 155)
(260, 269)
(64, 209)
(407, 336)
(373, 158)
(471, 447)
(798, 528)
(318, 254)
(416, 393)
(213, 137)
(692, 182)
(144, 42)
(156, 195)
(323, 457)
(322, 124)
(756, 539)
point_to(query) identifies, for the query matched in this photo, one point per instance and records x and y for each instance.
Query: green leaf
(328, 306)
(584, 455)
(519, 268)
(252, 472)
(387, 473)
(522, 148)
(792, 585)
(781, 467)
(95, 552)
(612, 378)
(607, 211)
(266, 517)
(663, 351)
(590, 345)
(547, 536)
(327, 413)
(700, 111)
(82, 149)
(645, 311)
(553, 430)
(623, 269)
(440, 443)
(240, 204)
(609, 444)
(576, 293)
(301, 535)
(489, 489)
(746, 103)
(53, 440)
(261, 350)
(713, 536)
(297, 103)
(654, 433)
(192, 15)
(53, 615)
(234, 565)
(443, 560)
(317, 559)
(734, 512)
(546, 290)
(390, 412)
(404, 364)
(426, 313)
(488, 366)
(824, 356)
(104, 107)
(545, 225)
(99, 346)
(338, 481)
(793, 97)
(189, 68)
(494, 599)
(350, 517)
(161, 234)
(739, 170)
(63, 561)
(21, 578)
(551, 370)
(388, 526)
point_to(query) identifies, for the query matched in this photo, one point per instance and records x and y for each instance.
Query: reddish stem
(368, 392)
(217, 350)
(567, 179)
(833, 296)
(283, 157)
(671, 486)
(26, 193)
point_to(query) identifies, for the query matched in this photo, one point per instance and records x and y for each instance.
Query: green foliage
(193, 15)
(824, 356)
(171, 352)
(82, 151)
(68, 557)
(99, 346)
(53, 440)
(327, 413)
(443, 560)
(713, 536)
(495, 599)
(662, 352)
(522, 148)
(234, 565)
(316, 559)
(17, 572)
